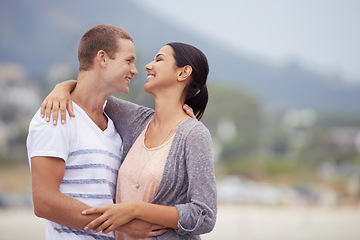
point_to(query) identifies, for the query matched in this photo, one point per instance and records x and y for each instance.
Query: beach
(234, 222)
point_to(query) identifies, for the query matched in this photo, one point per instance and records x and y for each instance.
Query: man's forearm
(63, 210)
(49, 203)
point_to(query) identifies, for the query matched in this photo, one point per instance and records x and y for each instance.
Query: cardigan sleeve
(198, 215)
(124, 113)
(129, 119)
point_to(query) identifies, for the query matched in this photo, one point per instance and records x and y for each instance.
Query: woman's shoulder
(194, 127)
(194, 123)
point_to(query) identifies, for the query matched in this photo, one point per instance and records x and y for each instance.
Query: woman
(167, 177)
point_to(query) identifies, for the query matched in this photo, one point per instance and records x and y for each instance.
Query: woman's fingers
(63, 106)
(70, 109)
(48, 111)
(113, 216)
(97, 221)
(95, 224)
(109, 229)
(55, 112)
(102, 227)
(92, 211)
(102, 223)
(66, 104)
(189, 111)
(42, 108)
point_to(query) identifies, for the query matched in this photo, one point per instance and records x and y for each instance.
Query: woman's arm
(59, 97)
(127, 116)
(198, 216)
(115, 215)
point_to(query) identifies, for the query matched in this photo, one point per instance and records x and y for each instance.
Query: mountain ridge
(40, 34)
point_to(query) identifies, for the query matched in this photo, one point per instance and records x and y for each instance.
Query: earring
(179, 78)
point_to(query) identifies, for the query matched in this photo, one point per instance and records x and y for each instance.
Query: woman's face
(162, 71)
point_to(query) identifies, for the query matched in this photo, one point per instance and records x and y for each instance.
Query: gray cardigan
(188, 181)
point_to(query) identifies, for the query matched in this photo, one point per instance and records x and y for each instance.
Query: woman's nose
(148, 66)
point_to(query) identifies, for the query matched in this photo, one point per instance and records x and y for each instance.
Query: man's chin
(125, 91)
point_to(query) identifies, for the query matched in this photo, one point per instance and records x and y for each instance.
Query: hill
(39, 34)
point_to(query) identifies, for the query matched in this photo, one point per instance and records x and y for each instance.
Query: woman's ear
(185, 73)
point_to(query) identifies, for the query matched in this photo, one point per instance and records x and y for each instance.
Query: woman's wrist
(137, 209)
(67, 86)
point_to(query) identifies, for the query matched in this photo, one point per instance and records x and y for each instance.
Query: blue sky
(323, 35)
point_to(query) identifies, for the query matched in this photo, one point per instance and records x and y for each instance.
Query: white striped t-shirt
(92, 159)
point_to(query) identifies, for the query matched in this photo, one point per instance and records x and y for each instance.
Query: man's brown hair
(100, 37)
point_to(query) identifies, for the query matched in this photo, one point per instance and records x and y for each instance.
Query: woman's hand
(59, 98)
(113, 216)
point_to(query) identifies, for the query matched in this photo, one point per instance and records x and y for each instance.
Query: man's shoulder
(39, 124)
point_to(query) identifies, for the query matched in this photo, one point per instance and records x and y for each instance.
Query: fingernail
(83, 212)
(62, 121)
(47, 119)
(42, 116)
(86, 228)
(54, 122)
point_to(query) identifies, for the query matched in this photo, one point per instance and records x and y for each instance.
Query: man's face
(122, 67)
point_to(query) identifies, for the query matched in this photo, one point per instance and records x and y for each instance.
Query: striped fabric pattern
(92, 161)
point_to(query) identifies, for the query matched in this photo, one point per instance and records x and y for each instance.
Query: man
(75, 165)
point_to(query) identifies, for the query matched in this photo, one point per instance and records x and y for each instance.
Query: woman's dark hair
(195, 93)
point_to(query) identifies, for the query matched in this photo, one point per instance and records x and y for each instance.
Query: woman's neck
(167, 111)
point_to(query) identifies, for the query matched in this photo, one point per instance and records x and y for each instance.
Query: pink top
(143, 166)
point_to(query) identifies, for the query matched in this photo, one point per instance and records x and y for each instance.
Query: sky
(322, 35)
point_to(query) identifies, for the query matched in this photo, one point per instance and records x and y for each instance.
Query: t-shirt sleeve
(45, 139)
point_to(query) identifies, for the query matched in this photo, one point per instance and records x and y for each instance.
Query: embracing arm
(198, 215)
(166, 216)
(47, 174)
(49, 203)
(60, 97)
(115, 215)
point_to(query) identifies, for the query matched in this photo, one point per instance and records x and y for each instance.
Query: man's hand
(141, 229)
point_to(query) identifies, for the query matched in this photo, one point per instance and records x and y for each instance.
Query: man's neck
(91, 99)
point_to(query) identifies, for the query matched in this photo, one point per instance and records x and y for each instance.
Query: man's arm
(49, 203)
(47, 175)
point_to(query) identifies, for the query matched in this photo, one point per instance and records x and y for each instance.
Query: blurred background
(283, 113)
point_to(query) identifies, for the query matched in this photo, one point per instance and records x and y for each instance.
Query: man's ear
(101, 57)
(185, 73)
